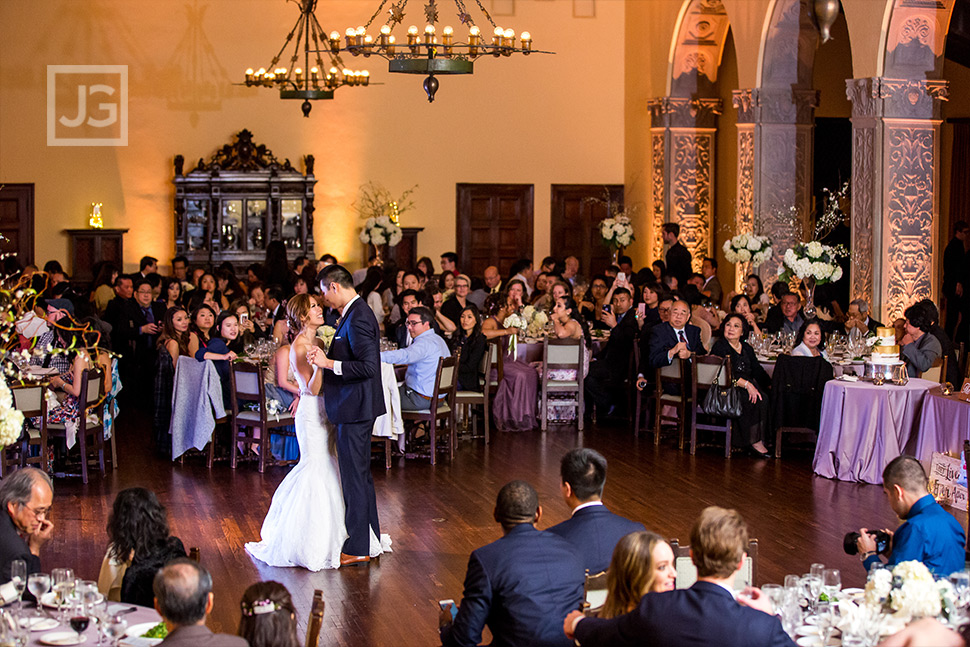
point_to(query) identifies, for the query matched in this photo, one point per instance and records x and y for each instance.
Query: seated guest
(493, 280)
(929, 533)
(370, 291)
(611, 367)
(787, 318)
(517, 294)
(659, 269)
(521, 584)
(595, 300)
(446, 284)
(778, 290)
(711, 288)
(207, 293)
(171, 295)
(421, 357)
(176, 337)
(175, 341)
(705, 615)
(203, 319)
(642, 563)
(268, 616)
(26, 496)
(67, 387)
(453, 307)
(140, 546)
(183, 597)
(754, 289)
(748, 374)
(949, 350)
(566, 322)
(102, 288)
(409, 299)
(858, 317)
(651, 294)
(919, 348)
(472, 345)
(497, 308)
(675, 338)
(741, 304)
(592, 529)
(434, 301)
(218, 350)
(809, 340)
(522, 271)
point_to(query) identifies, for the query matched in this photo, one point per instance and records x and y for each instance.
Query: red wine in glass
(79, 623)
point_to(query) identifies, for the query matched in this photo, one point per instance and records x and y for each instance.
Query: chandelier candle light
(310, 82)
(427, 51)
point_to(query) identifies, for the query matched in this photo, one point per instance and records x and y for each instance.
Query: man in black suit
(354, 398)
(675, 338)
(954, 275)
(113, 312)
(26, 496)
(706, 614)
(609, 370)
(521, 584)
(592, 529)
(858, 317)
(788, 317)
(274, 300)
(141, 322)
(678, 256)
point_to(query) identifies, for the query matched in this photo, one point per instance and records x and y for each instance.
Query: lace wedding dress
(305, 523)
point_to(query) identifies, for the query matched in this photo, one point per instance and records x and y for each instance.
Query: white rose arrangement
(379, 231)
(812, 260)
(617, 231)
(745, 248)
(11, 420)
(909, 591)
(516, 320)
(535, 321)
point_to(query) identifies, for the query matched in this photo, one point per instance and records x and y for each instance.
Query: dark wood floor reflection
(437, 515)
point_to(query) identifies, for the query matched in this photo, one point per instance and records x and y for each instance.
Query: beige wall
(540, 120)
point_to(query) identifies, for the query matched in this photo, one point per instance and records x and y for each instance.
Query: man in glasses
(26, 496)
(421, 357)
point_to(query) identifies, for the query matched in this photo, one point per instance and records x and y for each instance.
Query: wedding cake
(885, 350)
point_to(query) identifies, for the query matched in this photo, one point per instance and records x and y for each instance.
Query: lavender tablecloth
(140, 616)
(837, 369)
(944, 425)
(863, 427)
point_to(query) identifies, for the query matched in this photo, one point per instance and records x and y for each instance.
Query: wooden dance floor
(437, 515)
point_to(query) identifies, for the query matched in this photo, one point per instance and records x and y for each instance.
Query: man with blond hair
(709, 613)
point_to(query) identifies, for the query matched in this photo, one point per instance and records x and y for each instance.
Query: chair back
(485, 367)
(30, 399)
(672, 371)
(246, 383)
(936, 372)
(315, 623)
(594, 592)
(687, 572)
(496, 358)
(563, 353)
(444, 383)
(706, 369)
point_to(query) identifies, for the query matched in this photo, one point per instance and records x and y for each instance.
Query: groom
(354, 399)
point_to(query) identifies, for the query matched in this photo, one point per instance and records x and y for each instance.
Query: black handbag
(722, 401)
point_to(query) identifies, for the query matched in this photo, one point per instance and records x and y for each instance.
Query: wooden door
(576, 212)
(17, 221)
(494, 226)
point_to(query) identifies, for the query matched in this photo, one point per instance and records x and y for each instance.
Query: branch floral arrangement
(812, 261)
(381, 212)
(745, 248)
(616, 230)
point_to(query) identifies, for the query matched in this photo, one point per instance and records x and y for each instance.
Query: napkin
(849, 378)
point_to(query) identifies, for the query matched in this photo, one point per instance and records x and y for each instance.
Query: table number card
(946, 475)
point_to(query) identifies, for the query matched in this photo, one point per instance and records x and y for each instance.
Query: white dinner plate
(49, 599)
(37, 623)
(807, 630)
(62, 638)
(135, 631)
(815, 641)
(853, 591)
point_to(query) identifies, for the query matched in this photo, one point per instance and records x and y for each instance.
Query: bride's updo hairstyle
(297, 311)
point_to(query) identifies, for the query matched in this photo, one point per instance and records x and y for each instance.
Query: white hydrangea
(814, 249)
(744, 255)
(753, 244)
(377, 238)
(837, 274)
(11, 420)
(364, 237)
(879, 586)
(395, 238)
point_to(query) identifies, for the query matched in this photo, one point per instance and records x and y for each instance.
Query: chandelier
(428, 52)
(313, 81)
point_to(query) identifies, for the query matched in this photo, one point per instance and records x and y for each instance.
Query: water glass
(18, 577)
(961, 587)
(812, 586)
(817, 569)
(116, 628)
(63, 582)
(831, 583)
(775, 593)
(38, 584)
(826, 616)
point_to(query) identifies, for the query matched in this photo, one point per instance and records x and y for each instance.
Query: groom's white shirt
(338, 365)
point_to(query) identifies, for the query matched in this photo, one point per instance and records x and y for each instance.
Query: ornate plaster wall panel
(916, 39)
(790, 45)
(691, 187)
(659, 194)
(700, 43)
(744, 209)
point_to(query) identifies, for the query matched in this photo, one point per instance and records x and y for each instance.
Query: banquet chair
(703, 369)
(797, 387)
(246, 385)
(672, 375)
(469, 399)
(495, 348)
(31, 400)
(687, 572)
(594, 592)
(562, 354)
(936, 372)
(315, 622)
(444, 397)
(90, 435)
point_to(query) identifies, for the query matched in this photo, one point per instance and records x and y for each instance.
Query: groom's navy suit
(354, 399)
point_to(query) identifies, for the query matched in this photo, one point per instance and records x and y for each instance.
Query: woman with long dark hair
(201, 323)
(276, 269)
(471, 344)
(370, 291)
(175, 341)
(268, 616)
(224, 335)
(140, 545)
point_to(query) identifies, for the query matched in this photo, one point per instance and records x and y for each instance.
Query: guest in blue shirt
(224, 333)
(929, 533)
(421, 357)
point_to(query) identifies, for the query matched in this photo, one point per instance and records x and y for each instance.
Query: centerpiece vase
(809, 309)
(615, 257)
(377, 254)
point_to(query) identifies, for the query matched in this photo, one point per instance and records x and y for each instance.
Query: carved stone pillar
(895, 191)
(682, 136)
(743, 101)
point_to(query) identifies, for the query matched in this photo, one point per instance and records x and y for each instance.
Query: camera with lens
(882, 542)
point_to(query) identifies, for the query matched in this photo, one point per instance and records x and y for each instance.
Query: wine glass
(831, 583)
(38, 584)
(825, 614)
(63, 581)
(812, 585)
(775, 593)
(79, 619)
(18, 577)
(116, 628)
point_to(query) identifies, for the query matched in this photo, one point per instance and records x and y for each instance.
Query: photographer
(929, 533)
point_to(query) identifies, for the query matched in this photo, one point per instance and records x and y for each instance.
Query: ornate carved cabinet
(231, 207)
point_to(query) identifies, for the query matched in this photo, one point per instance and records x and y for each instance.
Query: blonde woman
(642, 563)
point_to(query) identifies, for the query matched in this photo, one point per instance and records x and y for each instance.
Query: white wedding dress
(305, 523)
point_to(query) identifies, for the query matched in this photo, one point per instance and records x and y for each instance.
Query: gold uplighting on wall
(310, 82)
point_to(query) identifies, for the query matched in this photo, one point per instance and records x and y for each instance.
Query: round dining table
(944, 424)
(863, 427)
(140, 617)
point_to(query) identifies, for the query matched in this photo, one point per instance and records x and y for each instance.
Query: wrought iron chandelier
(427, 52)
(313, 81)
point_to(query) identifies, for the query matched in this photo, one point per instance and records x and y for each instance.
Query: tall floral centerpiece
(616, 233)
(381, 212)
(748, 248)
(813, 263)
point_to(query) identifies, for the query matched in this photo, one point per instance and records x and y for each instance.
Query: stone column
(895, 191)
(682, 136)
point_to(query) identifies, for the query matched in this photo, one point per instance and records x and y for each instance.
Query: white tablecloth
(390, 425)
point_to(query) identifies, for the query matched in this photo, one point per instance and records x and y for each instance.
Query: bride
(305, 523)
